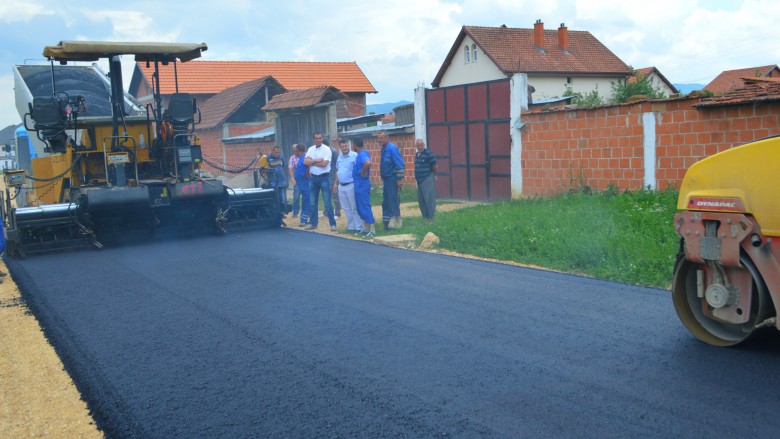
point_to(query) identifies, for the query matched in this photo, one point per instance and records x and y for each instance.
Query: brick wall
(566, 149)
(240, 154)
(355, 104)
(236, 155)
(405, 143)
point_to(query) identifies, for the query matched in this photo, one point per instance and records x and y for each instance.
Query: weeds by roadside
(626, 237)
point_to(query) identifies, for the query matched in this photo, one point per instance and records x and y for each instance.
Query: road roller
(124, 175)
(726, 282)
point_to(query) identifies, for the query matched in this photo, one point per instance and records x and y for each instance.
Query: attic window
(474, 52)
(467, 54)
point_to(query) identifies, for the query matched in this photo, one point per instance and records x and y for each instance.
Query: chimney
(539, 34)
(563, 37)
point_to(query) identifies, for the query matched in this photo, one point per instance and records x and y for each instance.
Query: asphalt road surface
(284, 333)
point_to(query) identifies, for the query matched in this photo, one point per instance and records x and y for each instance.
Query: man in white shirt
(344, 185)
(318, 159)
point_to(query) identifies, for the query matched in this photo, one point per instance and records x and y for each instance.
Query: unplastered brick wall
(569, 150)
(228, 155)
(405, 143)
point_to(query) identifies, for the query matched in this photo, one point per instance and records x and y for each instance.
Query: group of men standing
(312, 172)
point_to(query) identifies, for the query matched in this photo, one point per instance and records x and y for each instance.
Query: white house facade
(553, 60)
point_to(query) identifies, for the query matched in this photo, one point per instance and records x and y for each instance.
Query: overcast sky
(397, 44)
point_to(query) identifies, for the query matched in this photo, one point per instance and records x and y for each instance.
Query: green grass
(627, 237)
(408, 194)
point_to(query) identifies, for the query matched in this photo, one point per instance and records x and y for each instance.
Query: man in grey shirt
(344, 185)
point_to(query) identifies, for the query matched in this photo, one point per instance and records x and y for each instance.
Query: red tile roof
(304, 98)
(731, 79)
(757, 80)
(205, 77)
(758, 92)
(223, 104)
(513, 51)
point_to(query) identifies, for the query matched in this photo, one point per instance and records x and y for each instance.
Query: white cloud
(17, 10)
(134, 26)
(8, 113)
(402, 43)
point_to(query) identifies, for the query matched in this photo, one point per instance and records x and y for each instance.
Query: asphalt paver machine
(726, 282)
(124, 176)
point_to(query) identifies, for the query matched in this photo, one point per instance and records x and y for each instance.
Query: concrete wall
(659, 84)
(551, 87)
(633, 145)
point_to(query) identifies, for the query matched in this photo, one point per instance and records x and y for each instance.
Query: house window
(474, 52)
(468, 54)
(568, 79)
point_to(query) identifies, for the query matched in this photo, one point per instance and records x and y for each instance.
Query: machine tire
(717, 333)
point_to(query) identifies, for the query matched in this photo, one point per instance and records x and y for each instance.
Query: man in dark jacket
(425, 169)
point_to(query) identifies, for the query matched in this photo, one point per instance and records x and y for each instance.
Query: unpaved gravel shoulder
(37, 397)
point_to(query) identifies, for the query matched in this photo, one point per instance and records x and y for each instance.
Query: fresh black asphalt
(282, 333)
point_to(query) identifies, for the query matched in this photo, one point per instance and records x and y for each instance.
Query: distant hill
(384, 108)
(687, 88)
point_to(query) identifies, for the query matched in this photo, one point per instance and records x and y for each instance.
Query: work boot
(395, 223)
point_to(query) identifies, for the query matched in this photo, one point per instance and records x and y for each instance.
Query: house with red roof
(204, 79)
(657, 80)
(231, 96)
(553, 60)
(234, 112)
(733, 79)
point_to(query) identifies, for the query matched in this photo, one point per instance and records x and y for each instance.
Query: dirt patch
(37, 396)
(408, 210)
(413, 210)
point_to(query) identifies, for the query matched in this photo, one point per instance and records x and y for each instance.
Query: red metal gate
(468, 131)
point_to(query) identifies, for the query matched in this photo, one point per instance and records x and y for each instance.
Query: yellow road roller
(726, 282)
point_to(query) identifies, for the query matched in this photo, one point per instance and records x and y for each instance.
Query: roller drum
(117, 198)
(46, 213)
(250, 195)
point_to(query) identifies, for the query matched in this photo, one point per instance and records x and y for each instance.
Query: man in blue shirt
(302, 180)
(391, 169)
(360, 176)
(344, 187)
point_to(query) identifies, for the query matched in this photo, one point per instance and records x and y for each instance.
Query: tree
(642, 86)
(590, 99)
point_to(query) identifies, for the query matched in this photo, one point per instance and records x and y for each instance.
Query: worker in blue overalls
(360, 176)
(391, 169)
(302, 179)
